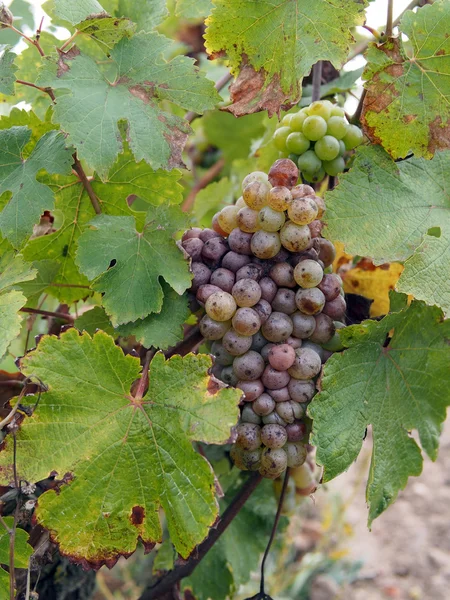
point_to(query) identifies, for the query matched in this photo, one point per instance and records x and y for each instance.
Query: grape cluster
(316, 138)
(272, 306)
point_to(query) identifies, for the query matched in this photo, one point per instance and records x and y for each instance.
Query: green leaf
(128, 457)
(13, 270)
(131, 286)
(29, 197)
(94, 319)
(147, 14)
(395, 377)
(73, 12)
(250, 34)
(22, 553)
(143, 80)
(107, 31)
(384, 210)
(7, 70)
(211, 199)
(28, 118)
(73, 210)
(47, 271)
(193, 9)
(342, 84)
(163, 329)
(406, 108)
(233, 136)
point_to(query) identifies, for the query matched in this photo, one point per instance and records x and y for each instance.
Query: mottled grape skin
(193, 246)
(281, 357)
(310, 301)
(236, 455)
(246, 321)
(214, 249)
(303, 325)
(207, 234)
(281, 395)
(248, 415)
(263, 405)
(248, 436)
(325, 329)
(213, 330)
(265, 244)
(223, 278)
(227, 376)
(205, 291)
(234, 261)
(294, 342)
(235, 343)
(273, 436)
(246, 292)
(295, 238)
(250, 271)
(239, 241)
(254, 176)
(325, 249)
(277, 328)
(251, 389)
(273, 379)
(330, 286)
(296, 454)
(249, 366)
(247, 220)
(273, 462)
(251, 459)
(194, 232)
(290, 411)
(335, 308)
(308, 273)
(220, 306)
(283, 275)
(221, 355)
(270, 219)
(284, 301)
(256, 194)
(301, 391)
(279, 198)
(283, 172)
(302, 190)
(315, 228)
(303, 211)
(264, 310)
(228, 218)
(268, 289)
(307, 364)
(295, 431)
(274, 418)
(202, 275)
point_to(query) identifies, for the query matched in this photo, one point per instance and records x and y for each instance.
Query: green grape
(279, 137)
(314, 128)
(335, 166)
(297, 120)
(255, 194)
(337, 127)
(327, 148)
(295, 238)
(296, 142)
(292, 156)
(266, 244)
(309, 162)
(270, 220)
(286, 120)
(354, 137)
(314, 177)
(337, 111)
(342, 148)
(320, 108)
(228, 218)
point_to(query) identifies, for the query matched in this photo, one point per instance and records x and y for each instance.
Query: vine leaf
(146, 15)
(91, 106)
(249, 34)
(74, 209)
(124, 457)
(131, 284)
(394, 376)
(406, 108)
(47, 271)
(13, 270)
(7, 70)
(29, 197)
(22, 553)
(94, 319)
(163, 329)
(74, 12)
(193, 9)
(388, 210)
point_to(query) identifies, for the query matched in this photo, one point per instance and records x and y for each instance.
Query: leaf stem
(316, 81)
(390, 18)
(167, 582)
(48, 313)
(143, 382)
(274, 528)
(210, 174)
(69, 41)
(41, 89)
(87, 185)
(25, 37)
(191, 116)
(357, 115)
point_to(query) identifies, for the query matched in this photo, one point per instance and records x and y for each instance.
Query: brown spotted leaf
(89, 106)
(127, 457)
(407, 106)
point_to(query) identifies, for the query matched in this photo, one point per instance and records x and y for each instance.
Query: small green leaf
(193, 9)
(147, 14)
(22, 553)
(131, 285)
(251, 32)
(14, 270)
(47, 271)
(164, 329)
(395, 377)
(142, 81)
(384, 210)
(94, 319)
(7, 70)
(406, 107)
(107, 31)
(29, 197)
(128, 457)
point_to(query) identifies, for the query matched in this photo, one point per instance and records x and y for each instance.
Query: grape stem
(274, 529)
(168, 581)
(390, 18)
(48, 313)
(316, 81)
